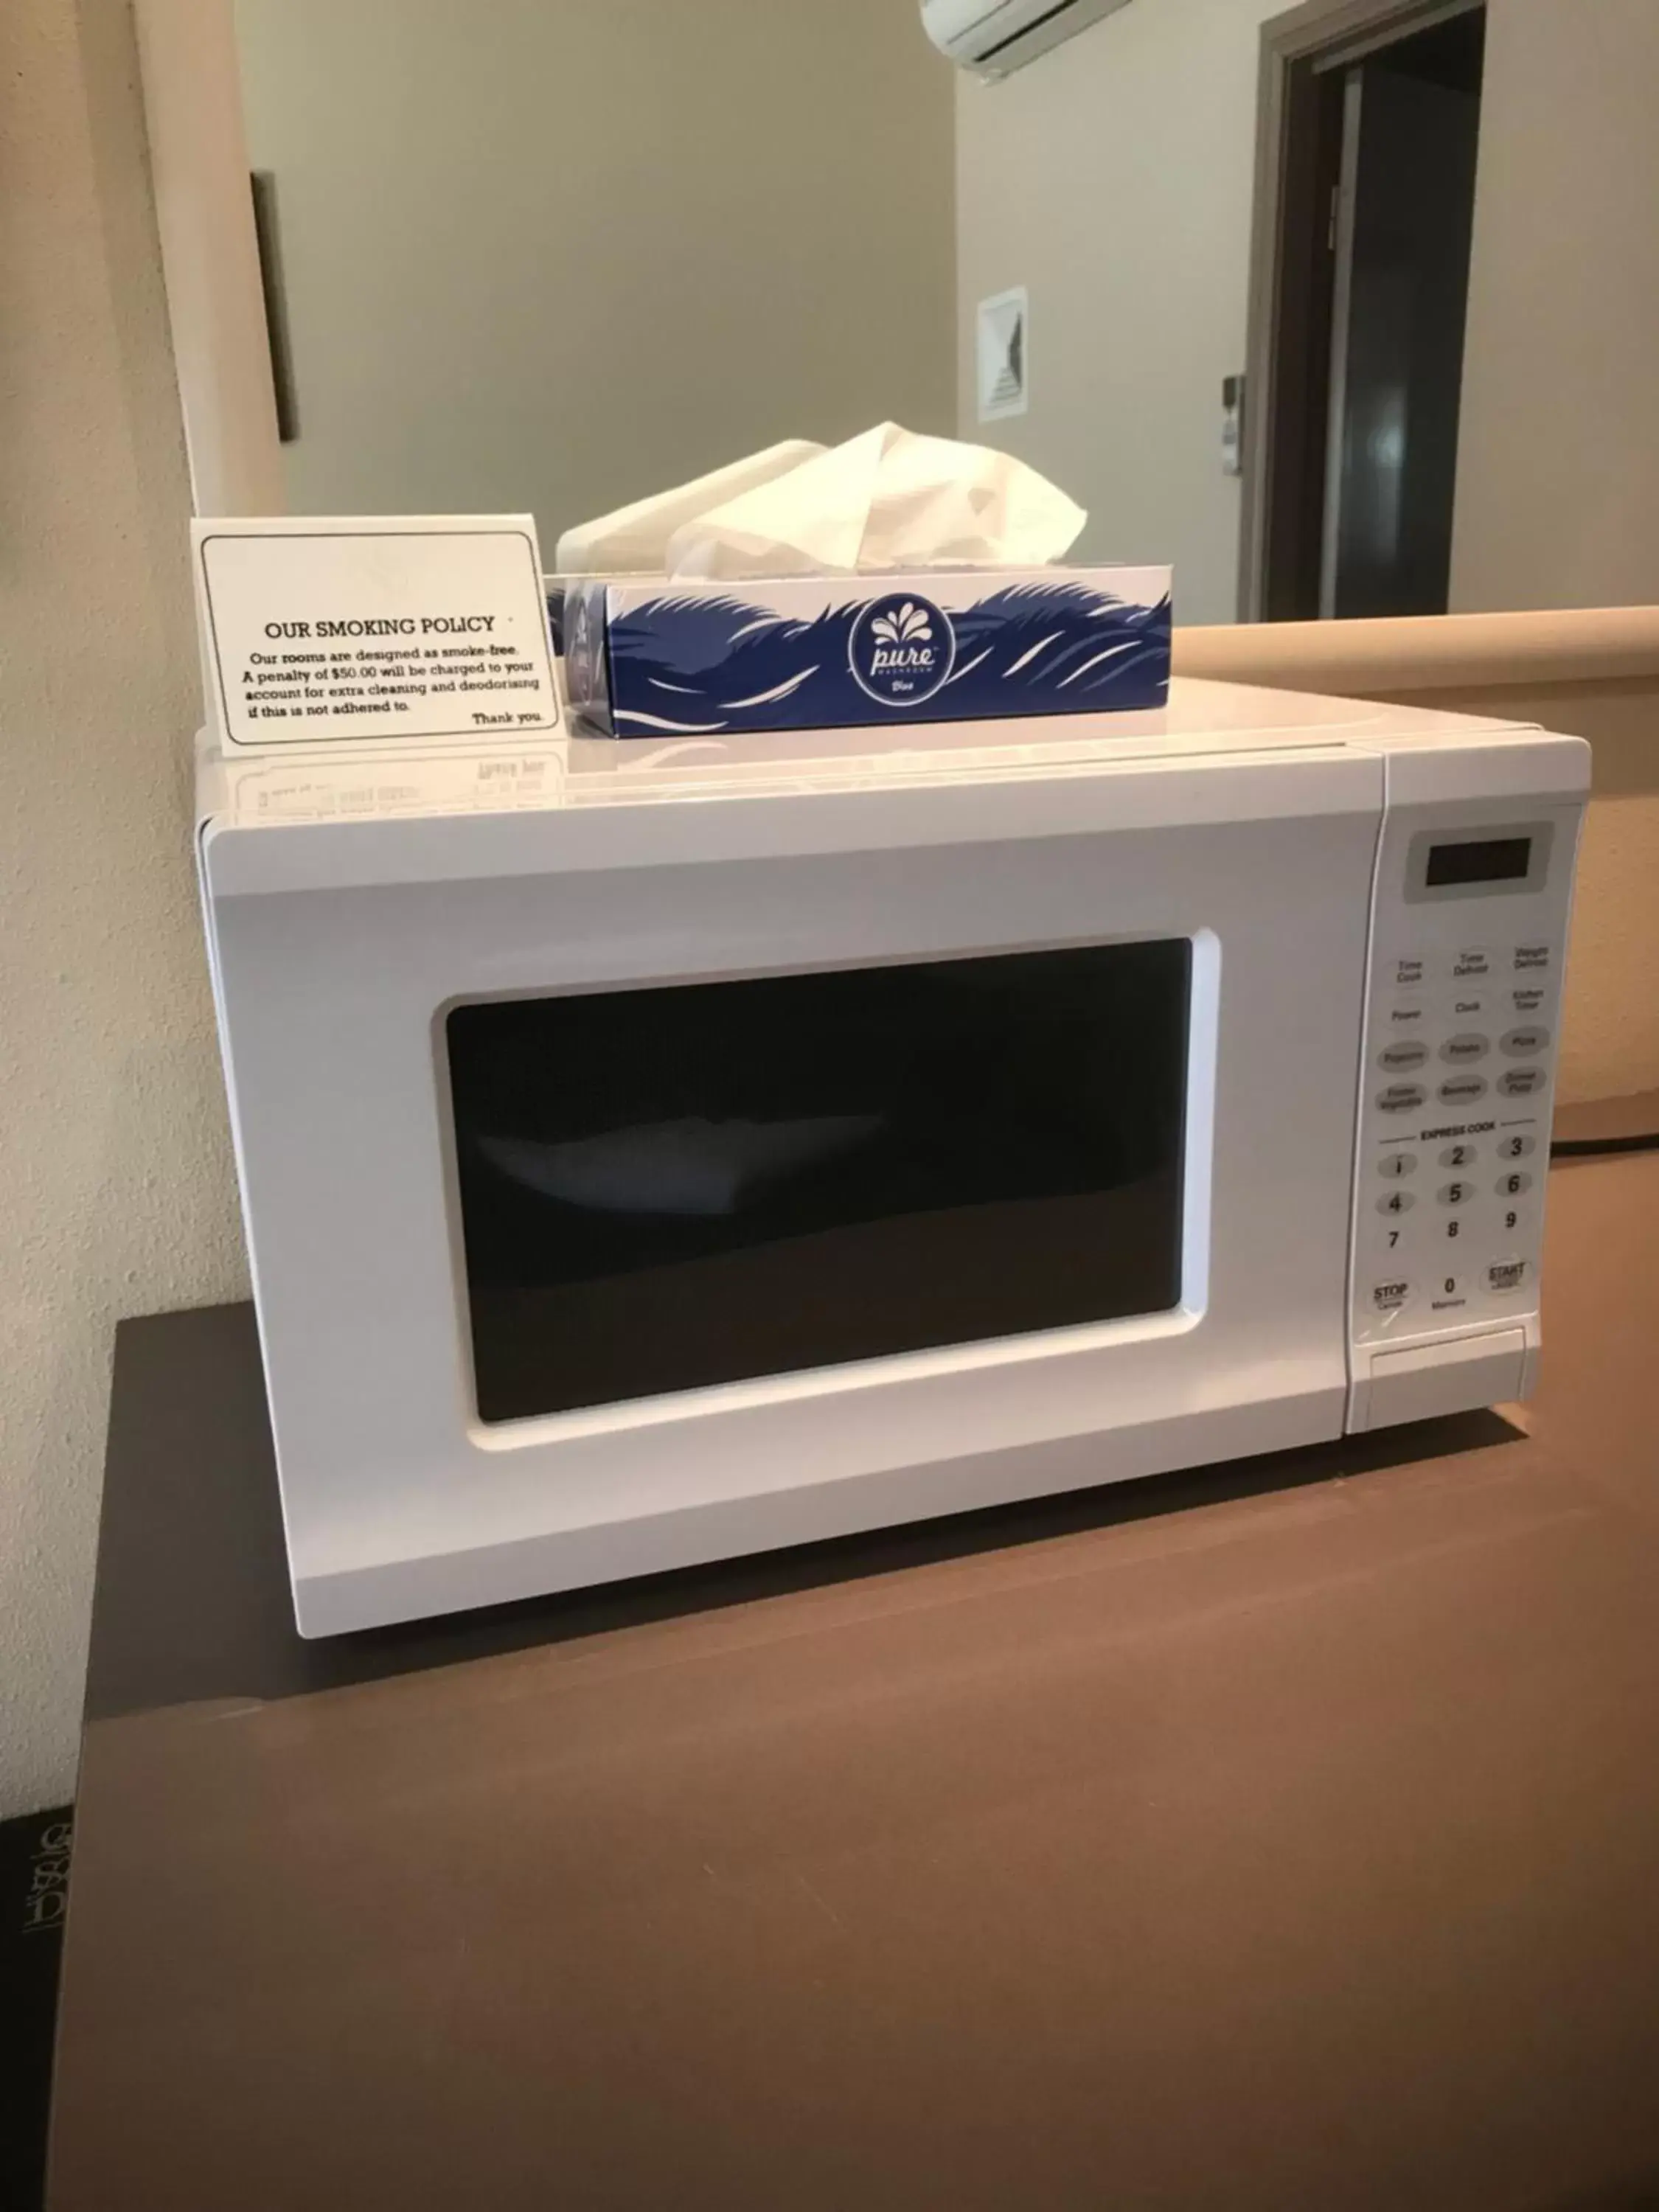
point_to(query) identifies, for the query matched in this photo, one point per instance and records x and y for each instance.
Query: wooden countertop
(1283, 1835)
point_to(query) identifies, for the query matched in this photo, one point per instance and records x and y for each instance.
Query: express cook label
(353, 630)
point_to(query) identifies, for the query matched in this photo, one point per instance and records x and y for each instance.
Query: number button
(1393, 1167)
(1525, 1043)
(1455, 1194)
(1518, 1148)
(1512, 1186)
(1458, 1156)
(1517, 1082)
(1396, 1201)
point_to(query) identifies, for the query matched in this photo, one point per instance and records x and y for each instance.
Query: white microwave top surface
(1202, 718)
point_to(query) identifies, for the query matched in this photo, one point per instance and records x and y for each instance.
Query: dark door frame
(1297, 148)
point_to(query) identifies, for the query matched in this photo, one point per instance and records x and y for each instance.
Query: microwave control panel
(1457, 1086)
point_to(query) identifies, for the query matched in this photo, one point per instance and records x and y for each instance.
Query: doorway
(1364, 220)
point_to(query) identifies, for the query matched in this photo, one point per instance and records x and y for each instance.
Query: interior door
(1404, 225)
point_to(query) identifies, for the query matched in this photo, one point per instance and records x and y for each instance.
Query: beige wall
(113, 1165)
(1112, 178)
(555, 254)
(1558, 490)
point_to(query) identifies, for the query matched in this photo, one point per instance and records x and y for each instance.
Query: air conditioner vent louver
(994, 38)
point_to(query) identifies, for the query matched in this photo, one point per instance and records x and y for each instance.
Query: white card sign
(369, 631)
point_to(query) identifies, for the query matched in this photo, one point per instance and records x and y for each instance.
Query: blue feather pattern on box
(696, 664)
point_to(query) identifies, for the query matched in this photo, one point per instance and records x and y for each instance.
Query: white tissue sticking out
(887, 499)
(636, 538)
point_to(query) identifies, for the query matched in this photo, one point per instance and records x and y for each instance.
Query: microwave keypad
(1455, 1125)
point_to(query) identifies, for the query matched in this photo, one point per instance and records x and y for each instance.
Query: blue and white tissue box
(649, 656)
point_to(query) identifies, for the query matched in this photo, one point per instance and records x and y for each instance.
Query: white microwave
(650, 1155)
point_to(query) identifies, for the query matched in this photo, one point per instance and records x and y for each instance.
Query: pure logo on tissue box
(902, 650)
(650, 659)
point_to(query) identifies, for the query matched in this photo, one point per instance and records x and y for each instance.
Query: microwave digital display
(668, 1188)
(1482, 860)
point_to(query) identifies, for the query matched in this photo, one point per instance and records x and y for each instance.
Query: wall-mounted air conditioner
(994, 36)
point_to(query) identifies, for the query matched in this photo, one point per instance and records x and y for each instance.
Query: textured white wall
(114, 1175)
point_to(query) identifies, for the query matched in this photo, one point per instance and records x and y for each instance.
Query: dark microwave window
(1491, 860)
(668, 1188)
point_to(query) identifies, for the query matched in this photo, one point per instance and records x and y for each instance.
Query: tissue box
(653, 658)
